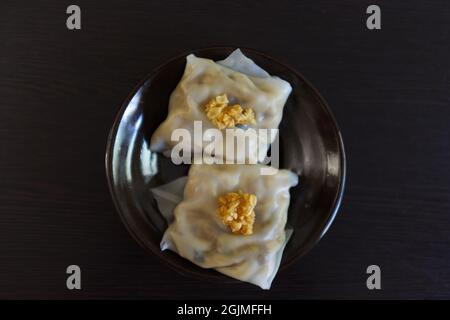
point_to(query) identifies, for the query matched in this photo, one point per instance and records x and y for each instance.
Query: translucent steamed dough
(198, 234)
(244, 82)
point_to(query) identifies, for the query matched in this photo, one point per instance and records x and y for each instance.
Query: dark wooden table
(60, 90)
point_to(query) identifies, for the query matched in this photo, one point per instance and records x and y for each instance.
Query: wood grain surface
(60, 90)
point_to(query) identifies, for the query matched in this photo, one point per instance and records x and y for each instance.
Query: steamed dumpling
(199, 234)
(244, 83)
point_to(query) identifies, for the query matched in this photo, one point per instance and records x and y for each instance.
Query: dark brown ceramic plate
(310, 145)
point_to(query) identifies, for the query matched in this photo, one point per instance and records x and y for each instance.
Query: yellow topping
(225, 116)
(236, 211)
